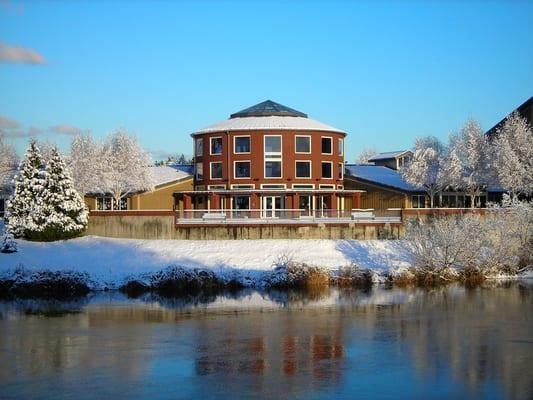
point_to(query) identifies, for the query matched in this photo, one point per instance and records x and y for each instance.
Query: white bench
(362, 215)
(214, 217)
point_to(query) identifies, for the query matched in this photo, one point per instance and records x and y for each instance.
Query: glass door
(272, 206)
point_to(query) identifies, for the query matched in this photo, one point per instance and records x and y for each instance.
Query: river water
(444, 343)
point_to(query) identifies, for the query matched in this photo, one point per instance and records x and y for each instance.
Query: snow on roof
(268, 122)
(166, 174)
(387, 155)
(379, 175)
(187, 168)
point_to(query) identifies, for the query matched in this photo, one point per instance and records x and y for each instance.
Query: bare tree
(513, 160)
(8, 162)
(85, 163)
(125, 166)
(365, 155)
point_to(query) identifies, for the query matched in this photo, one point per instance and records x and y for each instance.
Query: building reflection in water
(278, 344)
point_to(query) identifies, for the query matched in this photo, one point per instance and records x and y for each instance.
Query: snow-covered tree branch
(513, 160)
(364, 155)
(86, 164)
(124, 164)
(8, 162)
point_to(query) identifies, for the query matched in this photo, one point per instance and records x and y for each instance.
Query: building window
(216, 187)
(216, 170)
(303, 186)
(273, 145)
(199, 171)
(199, 147)
(326, 186)
(268, 186)
(327, 170)
(272, 169)
(303, 144)
(2, 206)
(418, 201)
(303, 169)
(109, 203)
(243, 186)
(242, 169)
(326, 145)
(241, 144)
(340, 148)
(241, 203)
(215, 147)
(341, 170)
(273, 157)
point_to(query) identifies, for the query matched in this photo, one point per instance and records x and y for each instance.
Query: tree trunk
(472, 200)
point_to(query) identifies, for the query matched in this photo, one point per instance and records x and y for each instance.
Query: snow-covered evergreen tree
(125, 166)
(63, 213)
(513, 155)
(26, 201)
(426, 169)
(85, 163)
(471, 149)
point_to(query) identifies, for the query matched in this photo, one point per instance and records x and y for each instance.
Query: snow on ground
(110, 261)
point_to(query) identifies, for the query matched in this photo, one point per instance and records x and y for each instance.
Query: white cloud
(66, 129)
(21, 55)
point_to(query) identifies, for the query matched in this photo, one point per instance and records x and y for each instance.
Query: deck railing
(285, 216)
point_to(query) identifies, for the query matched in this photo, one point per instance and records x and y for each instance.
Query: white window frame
(341, 171)
(250, 186)
(307, 186)
(211, 146)
(280, 186)
(340, 147)
(310, 169)
(326, 186)
(235, 169)
(234, 144)
(201, 147)
(332, 174)
(296, 148)
(216, 187)
(112, 202)
(331, 144)
(211, 170)
(341, 187)
(196, 164)
(273, 159)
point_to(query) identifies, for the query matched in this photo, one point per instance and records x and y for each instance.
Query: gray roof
(268, 108)
(379, 175)
(165, 174)
(387, 155)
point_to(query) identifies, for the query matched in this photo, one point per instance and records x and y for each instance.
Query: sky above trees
(384, 72)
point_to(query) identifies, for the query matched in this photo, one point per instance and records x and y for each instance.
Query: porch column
(333, 200)
(356, 200)
(187, 201)
(215, 201)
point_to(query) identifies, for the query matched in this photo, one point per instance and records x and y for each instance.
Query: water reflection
(447, 342)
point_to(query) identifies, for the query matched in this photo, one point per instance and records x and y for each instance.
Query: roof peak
(268, 108)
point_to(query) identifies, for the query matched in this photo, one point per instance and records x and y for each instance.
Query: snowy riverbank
(111, 262)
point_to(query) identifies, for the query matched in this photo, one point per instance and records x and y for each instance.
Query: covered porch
(272, 207)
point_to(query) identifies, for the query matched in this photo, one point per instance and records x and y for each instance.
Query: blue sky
(386, 72)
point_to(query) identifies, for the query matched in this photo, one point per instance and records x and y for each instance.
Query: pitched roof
(268, 115)
(164, 174)
(525, 110)
(187, 168)
(268, 108)
(387, 155)
(379, 175)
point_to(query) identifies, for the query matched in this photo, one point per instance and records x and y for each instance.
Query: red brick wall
(257, 158)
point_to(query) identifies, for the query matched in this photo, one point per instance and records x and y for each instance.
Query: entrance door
(305, 204)
(272, 206)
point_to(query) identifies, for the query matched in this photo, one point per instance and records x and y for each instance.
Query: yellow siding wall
(377, 197)
(161, 198)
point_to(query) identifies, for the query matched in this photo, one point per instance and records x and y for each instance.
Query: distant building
(392, 159)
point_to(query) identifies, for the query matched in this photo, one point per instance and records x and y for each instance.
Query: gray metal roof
(268, 108)
(388, 155)
(379, 175)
